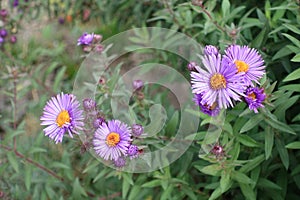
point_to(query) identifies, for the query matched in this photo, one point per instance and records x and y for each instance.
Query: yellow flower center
(112, 139)
(62, 118)
(252, 96)
(218, 81)
(241, 66)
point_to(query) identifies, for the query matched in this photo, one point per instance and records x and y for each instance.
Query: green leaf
(136, 189)
(265, 183)
(293, 76)
(151, 184)
(252, 164)
(189, 192)
(241, 177)
(282, 52)
(281, 109)
(37, 150)
(78, 190)
(291, 87)
(225, 7)
(283, 153)
(247, 141)
(280, 126)
(13, 161)
(292, 28)
(167, 193)
(293, 145)
(296, 58)
(27, 176)
(269, 141)
(213, 170)
(125, 188)
(172, 124)
(58, 79)
(259, 40)
(292, 39)
(247, 191)
(216, 193)
(100, 175)
(225, 181)
(128, 178)
(59, 165)
(267, 9)
(254, 121)
(212, 136)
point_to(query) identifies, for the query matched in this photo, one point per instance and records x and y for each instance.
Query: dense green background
(262, 149)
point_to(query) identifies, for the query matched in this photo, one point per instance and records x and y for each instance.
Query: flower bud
(138, 84)
(210, 50)
(137, 130)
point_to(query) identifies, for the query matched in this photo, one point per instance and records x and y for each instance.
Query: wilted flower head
(85, 39)
(211, 50)
(218, 151)
(111, 140)
(61, 20)
(62, 114)
(138, 84)
(254, 98)
(137, 130)
(213, 110)
(98, 122)
(98, 37)
(247, 62)
(192, 66)
(89, 104)
(217, 82)
(13, 39)
(120, 162)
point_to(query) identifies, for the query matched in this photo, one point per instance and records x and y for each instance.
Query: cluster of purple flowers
(90, 42)
(111, 139)
(223, 79)
(4, 34)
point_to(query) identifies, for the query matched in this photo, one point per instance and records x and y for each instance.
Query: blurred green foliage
(262, 149)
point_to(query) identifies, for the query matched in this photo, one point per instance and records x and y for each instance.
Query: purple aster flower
(210, 50)
(62, 114)
(89, 104)
(112, 139)
(138, 84)
(247, 62)
(218, 82)
(137, 130)
(213, 110)
(3, 33)
(1, 40)
(133, 151)
(85, 39)
(16, 3)
(254, 98)
(120, 162)
(98, 122)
